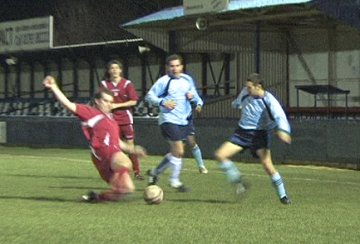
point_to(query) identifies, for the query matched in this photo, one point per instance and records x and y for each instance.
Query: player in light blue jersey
(173, 93)
(261, 114)
(191, 139)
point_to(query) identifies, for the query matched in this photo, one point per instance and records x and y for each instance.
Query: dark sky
(23, 9)
(82, 21)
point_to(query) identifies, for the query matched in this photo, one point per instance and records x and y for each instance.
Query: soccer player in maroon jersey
(125, 98)
(102, 133)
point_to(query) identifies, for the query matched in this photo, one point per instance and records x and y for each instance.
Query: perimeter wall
(321, 142)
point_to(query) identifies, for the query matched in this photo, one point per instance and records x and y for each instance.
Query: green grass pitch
(40, 193)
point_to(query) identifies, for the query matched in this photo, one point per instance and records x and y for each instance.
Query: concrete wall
(314, 142)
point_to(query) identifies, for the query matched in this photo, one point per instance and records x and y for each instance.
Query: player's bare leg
(223, 155)
(196, 152)
(175, 158)
(135, 161)
(266, 161)
(120, 180)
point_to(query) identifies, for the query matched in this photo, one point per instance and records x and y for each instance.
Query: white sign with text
(204, 6)
(25, 35)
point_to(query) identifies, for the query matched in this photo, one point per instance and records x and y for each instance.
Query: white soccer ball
(153, 194)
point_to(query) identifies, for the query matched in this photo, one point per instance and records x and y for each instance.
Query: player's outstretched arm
(50, 83)
(284, 136)
(130, 103)
(136, 149)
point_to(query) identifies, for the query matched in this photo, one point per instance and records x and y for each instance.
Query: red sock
(110, 195)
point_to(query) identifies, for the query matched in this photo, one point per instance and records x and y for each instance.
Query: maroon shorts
(101, 158)
(127, 132)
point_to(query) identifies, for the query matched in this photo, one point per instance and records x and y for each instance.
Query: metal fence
(218, 107)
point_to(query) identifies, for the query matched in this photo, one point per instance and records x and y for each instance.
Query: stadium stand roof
(269, 12)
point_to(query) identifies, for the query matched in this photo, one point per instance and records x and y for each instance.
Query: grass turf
(41, 189)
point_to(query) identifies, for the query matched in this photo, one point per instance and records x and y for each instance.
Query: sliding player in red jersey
(102, 134)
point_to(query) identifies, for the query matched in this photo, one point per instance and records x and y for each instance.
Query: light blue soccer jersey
(260, 113)
(196, 99)
(177, 90)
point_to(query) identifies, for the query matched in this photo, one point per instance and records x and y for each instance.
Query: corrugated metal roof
(247, 4)
(345, 12)
(165, 14)
(234, 5)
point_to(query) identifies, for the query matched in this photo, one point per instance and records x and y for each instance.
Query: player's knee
(121, 181)
(122, 164)
(120, 160)
(181, 153)
(178, 152)
(218, 156)
(126, 164)
(191, 142)
(193, 145)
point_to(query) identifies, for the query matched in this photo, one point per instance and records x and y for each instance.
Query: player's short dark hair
(256, 79)
(102, 90)
(99, 94)
(111, 62)
(173, 57)
(114, 61)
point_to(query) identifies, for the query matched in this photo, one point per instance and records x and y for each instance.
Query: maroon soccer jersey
(99, 129)
(123, 91)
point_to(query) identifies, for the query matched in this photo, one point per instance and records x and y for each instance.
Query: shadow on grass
(129, 198)
(79, 187)
(89, 188)
(41, 199)
(52, 176)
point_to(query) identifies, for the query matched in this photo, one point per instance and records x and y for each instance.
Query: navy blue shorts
(251, 139)
(173, 132)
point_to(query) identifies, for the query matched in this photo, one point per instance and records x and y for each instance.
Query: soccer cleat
(182, 188)
(138, 176)
(91, 197)
(179, 187)
(153, 179)
(239, 188)
(203, 170)
(285, 200)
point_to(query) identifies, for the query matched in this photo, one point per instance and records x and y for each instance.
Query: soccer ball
(153, 194)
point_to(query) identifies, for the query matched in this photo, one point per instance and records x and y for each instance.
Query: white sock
(176, 164)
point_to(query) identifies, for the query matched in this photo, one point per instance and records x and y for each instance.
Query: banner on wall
(26, 35)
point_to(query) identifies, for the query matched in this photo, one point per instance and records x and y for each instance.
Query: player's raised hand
(198, 108)
(49, 82)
